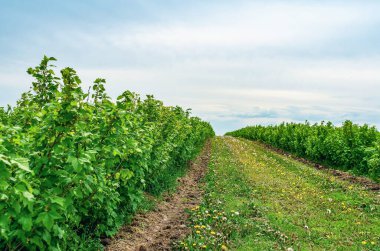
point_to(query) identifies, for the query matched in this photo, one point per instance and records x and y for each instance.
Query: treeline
(75, 164)
(350, 147)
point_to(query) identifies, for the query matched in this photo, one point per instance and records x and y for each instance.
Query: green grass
(286, 204)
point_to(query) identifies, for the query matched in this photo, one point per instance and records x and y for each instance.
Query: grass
(220, 219)
(282, 204)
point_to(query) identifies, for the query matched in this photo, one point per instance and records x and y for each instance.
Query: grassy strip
(260, 200)
(227, 217)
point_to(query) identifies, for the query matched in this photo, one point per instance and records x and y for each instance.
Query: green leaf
(37, 241)
(4, 175)
(3, 196)
(126, 174)
(116, 152)
(74, 162)
(4, 221)
(46, 219)
(58, 231)
(58, 200)
(4, 159)
(28, 195)
(29, 187)
(26, 223)
(16, 206)
(46, 237)
(22, 163)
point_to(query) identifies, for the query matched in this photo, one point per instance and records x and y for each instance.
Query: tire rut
(159, 228)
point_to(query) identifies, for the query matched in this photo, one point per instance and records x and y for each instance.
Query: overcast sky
(235, 63)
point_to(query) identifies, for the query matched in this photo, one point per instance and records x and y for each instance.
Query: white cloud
(252, 25)
(236, 59)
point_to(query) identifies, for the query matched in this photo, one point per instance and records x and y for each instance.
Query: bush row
(348, 147)
(74, 163)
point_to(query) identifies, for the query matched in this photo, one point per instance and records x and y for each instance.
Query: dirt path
(156, 230)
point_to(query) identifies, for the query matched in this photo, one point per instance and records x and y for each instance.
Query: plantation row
(349, 147)
(74, 165)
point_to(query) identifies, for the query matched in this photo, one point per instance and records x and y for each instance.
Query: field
(257, 199)
(81, 171)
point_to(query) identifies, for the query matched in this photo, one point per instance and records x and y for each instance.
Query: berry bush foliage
(350, 147)
(75, 163)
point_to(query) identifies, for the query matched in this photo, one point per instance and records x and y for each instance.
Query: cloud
(233, 62)
(253, 25)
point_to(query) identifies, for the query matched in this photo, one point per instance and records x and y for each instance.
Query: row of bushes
(75, 164)
(349, 147)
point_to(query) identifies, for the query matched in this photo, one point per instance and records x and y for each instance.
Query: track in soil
(158, 229)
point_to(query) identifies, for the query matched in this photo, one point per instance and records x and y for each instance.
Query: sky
(234, 63)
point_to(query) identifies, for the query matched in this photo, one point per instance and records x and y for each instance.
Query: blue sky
(234, 63)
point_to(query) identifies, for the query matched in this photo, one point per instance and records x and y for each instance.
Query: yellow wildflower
(224, 248)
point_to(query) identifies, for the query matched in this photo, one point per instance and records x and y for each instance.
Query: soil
(366, 182)
(159, 228)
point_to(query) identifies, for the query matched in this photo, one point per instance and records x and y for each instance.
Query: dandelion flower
(224, 248)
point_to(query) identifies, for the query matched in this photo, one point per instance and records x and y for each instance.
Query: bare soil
(158, 229)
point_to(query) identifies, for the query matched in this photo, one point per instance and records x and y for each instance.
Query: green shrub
(350, 147)
(75, 164)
